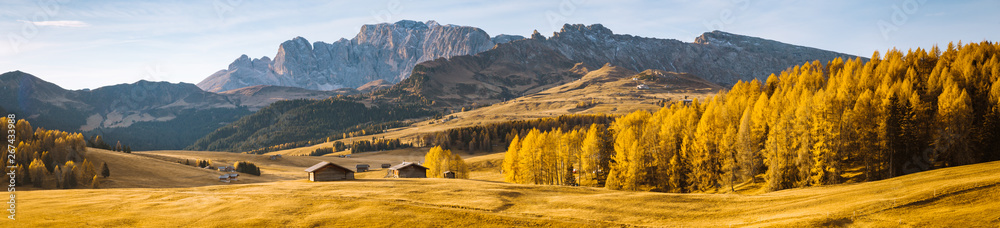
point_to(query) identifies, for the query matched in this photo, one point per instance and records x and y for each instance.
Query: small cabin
(227, 168)
(224, 178)
(326, 171)
(449, 174)
(362, 168)
(386, 165)
(274, 157)
(408, 170)
(234, 176)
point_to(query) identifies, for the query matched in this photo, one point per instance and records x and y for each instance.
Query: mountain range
(424, 68)
(379, 52)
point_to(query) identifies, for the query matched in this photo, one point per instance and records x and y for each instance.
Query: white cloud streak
(72, 24)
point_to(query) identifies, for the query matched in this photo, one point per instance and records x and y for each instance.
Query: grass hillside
(958, 197)
(612, 88)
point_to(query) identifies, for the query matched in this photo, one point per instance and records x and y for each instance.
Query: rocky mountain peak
(504, 38)
(386, 51)
(537, 36)
(595, 29)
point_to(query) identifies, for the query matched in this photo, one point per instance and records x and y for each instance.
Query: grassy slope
(611, 86)
(961, 196)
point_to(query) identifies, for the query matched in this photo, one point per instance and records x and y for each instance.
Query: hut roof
(324, 164)
(405, 164)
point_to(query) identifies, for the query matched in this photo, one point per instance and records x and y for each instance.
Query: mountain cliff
(378, 52)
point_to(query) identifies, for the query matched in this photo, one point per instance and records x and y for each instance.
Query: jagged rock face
(522, 67)
(381, 51)
(717, 56)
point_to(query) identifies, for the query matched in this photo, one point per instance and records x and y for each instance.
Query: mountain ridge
(379, 51)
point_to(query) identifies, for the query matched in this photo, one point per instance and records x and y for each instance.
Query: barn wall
(412, 172)
(331, 174)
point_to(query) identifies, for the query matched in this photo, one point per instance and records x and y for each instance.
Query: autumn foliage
(814, 124)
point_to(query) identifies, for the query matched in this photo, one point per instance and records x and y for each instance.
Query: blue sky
(88, 44)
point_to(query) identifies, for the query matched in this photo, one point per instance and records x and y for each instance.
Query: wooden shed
(326, 171)
(449, 174)
(408, 170)
(362, 168)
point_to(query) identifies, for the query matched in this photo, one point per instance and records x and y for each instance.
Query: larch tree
(954, 116)
(509, 166)
(590, 153)
(432, 160)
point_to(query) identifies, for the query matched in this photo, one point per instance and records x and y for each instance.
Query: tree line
(484, 137)
(51, 158)
(813, 124)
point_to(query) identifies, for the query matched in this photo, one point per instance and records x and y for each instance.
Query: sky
(89, 44)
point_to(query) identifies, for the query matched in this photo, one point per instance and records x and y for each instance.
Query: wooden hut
(449, 174)
(227, 168)
(326, 171)
(408, 170)
(234, 176)
(224, 178)
(386, 165)
(362, 168)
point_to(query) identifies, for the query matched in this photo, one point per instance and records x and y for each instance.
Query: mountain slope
(380, 51)
(257, 97)
(505, 72)
(144, 115)
(299, 121)
(717, 56)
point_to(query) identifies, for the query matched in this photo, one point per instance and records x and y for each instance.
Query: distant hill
(145, 115)
(374, 85)
(301, 120)
(257, 97)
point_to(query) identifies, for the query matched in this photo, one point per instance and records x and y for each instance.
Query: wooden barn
(448, 174)
(362, 168)
(408, 170)
(326, 171)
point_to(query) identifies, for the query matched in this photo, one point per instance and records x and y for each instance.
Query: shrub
(248, 168)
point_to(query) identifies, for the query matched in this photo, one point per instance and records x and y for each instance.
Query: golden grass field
(148, 189)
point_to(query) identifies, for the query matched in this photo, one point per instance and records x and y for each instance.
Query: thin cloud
(72, 24)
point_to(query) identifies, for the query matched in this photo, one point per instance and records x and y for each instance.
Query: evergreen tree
(105, 172)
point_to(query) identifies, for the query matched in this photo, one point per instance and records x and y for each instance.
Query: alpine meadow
(520, 114)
